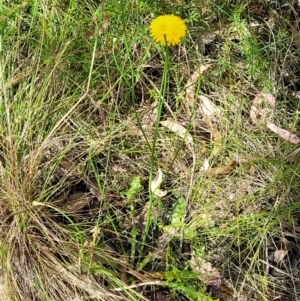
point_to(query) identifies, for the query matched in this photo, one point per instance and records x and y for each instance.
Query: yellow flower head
(167, 28)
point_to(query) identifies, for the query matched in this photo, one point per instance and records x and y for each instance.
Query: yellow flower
(167, 28)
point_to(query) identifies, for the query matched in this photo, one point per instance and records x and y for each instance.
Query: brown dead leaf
(222, 170)
(118, 168)
(219, 171)
(207, 108)
(279, 255)
(76, 202)
(207, 274)
(284, 134)
(178, 129)
(252, 170)
(191, 83)
(163, 240)
(262, 108)
(210, 113)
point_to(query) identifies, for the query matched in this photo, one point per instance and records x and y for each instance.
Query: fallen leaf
(141, 218)
(262, 108)
(222, 170)
(210, 113)
(76, 202)
(207, 274)
(219, 171)
(178, 129)
(160, 193)
(67, 166)
(252, 170)
(118, 168)
(279, 255)
(205, 165)
(163, 240)
(207, 108)
(155, 185)
(191, 83)
(284, 134)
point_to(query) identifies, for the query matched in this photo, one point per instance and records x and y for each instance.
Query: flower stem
(161, 97)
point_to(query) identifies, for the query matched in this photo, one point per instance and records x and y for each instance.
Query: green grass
(78, 218)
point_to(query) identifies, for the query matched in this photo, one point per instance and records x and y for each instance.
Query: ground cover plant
(138, 166)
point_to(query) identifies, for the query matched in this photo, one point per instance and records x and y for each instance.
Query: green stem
(162, 94)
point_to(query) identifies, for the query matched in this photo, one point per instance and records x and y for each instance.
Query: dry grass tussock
(79, 219)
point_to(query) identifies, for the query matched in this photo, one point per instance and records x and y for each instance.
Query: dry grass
(79, 85)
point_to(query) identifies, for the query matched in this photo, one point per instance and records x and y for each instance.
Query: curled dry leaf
(207, 274)
(262, 108)
(160, 193)
(284, 134)
(221, 170)
(155, 185)
(178, 129)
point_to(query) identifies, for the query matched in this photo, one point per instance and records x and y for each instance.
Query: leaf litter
(178, 129)
(191, 83)
(210, 113)
(262, 108)
(284, 134)
(207, 273)
(262, 113)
